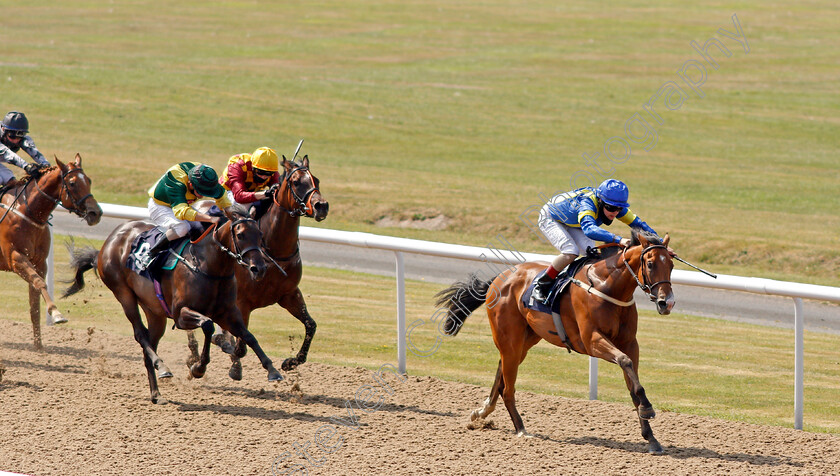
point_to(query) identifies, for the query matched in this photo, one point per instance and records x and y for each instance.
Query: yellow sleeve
(628, 217)
(183, 211)
(223, 201)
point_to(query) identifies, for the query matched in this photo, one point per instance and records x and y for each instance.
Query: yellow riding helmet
(266, 159)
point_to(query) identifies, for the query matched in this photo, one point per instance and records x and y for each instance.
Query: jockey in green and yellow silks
(171, 197)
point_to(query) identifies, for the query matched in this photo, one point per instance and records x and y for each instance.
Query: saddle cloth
(164, 261)
(560, 285)
(553, 306)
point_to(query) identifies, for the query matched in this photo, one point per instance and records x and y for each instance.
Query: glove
(33, 170)
(272, 190)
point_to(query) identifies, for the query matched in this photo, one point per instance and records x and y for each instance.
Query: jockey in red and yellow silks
(249, 176)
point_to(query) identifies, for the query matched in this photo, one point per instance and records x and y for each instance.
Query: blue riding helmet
(613, 192)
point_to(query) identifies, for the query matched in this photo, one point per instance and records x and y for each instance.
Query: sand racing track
(82, 407)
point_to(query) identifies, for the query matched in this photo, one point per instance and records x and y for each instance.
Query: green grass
(468, 109)
(688, 364)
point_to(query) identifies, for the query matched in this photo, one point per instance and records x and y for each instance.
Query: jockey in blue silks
(572, 222)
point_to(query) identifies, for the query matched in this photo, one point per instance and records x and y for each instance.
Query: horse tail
(80, 260)
(461, 299)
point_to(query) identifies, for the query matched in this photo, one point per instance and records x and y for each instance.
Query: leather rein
(57, 200)
(236, 254)
(647, 288)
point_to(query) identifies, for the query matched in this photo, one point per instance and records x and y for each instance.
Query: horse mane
(650, 237)
(237, 209)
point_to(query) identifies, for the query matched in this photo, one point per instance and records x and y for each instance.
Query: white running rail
(398, 246)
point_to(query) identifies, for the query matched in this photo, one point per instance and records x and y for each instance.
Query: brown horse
(298, 195)
(25, 236)
(200, 290)
(598, 315)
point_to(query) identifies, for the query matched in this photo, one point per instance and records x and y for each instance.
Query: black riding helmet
(205, 181)
(15, 124)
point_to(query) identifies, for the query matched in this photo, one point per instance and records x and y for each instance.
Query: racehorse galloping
(200, 290)
(24, 232)
(594, 325)
(298, 195)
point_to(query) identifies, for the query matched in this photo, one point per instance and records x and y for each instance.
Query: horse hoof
(289, 364)
(235, 371)
(274, 376)
(523, 434)
(197, 372)
(647, 413)
(56, 318)
(224, 344)
(165, 374)
(160, 401)
(655, 448)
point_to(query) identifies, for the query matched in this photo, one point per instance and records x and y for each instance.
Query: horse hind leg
(157, 326)
(141, 335)
(35, 316)
(490, 403)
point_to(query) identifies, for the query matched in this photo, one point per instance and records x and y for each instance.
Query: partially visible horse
(199, 290)
(297, 196)
(25, 236)
(598, 314)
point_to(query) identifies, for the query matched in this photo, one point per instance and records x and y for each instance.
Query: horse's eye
(650, 264)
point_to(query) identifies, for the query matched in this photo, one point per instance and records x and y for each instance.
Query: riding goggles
(17, 134)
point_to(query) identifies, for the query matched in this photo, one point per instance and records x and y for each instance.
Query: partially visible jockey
(14, 136)
(250, 177)
(172, 195)
(572, 222)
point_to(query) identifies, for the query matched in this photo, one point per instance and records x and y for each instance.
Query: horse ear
(78, 160)
(635, 238)
(305, 161)
(59, 163)
(253, 212)
(666, 239)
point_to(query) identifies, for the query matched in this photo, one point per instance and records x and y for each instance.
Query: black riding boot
(159, 247)
(542, 288)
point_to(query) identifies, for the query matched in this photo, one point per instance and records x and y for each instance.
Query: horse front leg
(296, 306)
(190, 319)
(643, 406)
(238, 329)
(603, 348)
(34, 275)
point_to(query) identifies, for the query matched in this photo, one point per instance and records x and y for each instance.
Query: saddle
(560, 286)
(139, 254)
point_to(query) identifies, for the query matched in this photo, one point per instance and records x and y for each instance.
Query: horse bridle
(302, 202)
(647, 288)
(236, 254)
(57, 200)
